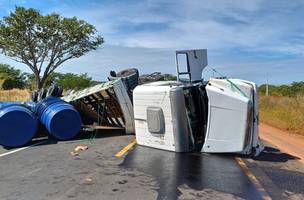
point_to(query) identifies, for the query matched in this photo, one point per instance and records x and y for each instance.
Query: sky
(251, 40)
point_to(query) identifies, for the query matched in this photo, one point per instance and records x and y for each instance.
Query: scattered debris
(78, 149)
(74, 153)
(88, 180)
(81, 148)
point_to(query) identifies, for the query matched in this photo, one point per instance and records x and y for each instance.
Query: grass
(14, 95)
(283, 112)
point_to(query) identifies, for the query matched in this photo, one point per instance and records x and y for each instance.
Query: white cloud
(267, 35)
(209, 24)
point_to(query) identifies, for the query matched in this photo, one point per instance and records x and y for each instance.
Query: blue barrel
(18, 124)
(61, 119)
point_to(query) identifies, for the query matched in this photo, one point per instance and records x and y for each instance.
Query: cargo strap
(93, 136)
(232, 84)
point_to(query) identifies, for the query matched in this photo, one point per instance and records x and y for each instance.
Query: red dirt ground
(290, 143)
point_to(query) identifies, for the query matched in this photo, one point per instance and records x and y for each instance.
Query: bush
(291, 90)
(66, 81)
(74, 81)
(12, 78)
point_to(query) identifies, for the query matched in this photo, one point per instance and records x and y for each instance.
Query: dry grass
(14, 95)
(283, 112)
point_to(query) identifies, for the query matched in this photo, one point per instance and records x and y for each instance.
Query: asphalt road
(280, 173)
(49, 171)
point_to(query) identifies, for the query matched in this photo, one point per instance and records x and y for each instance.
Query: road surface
(50, 171)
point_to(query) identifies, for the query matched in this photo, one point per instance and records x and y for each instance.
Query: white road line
(20, 149)
(31, 172)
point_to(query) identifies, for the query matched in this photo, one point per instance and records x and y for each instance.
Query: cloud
(244, 38)
(215, 25)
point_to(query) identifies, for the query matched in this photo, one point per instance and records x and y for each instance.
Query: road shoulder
(287, 142)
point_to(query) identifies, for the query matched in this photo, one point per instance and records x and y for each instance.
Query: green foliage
(32, 81)
(66, 81)
(11, 78)
(169, 77)
(294, 89)
(74, 81)
(44, 42)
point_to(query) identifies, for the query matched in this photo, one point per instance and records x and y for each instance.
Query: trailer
(103, 106)
(190, 114)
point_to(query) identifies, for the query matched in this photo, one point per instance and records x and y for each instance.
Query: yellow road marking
(126, 149)
(253, 179)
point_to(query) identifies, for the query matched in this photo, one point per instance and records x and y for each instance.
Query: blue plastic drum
(18, 124)
(61, 119)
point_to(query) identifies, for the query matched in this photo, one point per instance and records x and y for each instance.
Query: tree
(170, 77)
(44, 42)
(31, 80)
(74, 81)
(12, 78)
(291, 90)
(66, 81)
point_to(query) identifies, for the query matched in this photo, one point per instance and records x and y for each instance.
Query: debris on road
(81, 148)
(74, 153)
(88, 180)
(78, 149)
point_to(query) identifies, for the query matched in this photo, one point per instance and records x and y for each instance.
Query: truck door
(228, 120)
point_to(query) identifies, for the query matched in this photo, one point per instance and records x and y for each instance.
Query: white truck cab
(217, 116)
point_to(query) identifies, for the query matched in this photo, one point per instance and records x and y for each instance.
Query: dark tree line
(293, 89)
(14, 78)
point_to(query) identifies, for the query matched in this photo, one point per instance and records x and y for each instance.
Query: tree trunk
(40, 83)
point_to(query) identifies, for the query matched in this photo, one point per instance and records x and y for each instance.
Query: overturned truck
(217, 116)
(189, 114)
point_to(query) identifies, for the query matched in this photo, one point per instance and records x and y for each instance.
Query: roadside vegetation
(16, 85)
(15, 95)
(11, 78)
(284, 107)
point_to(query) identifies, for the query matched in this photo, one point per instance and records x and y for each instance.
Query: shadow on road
(272, 154)
(43, 139)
